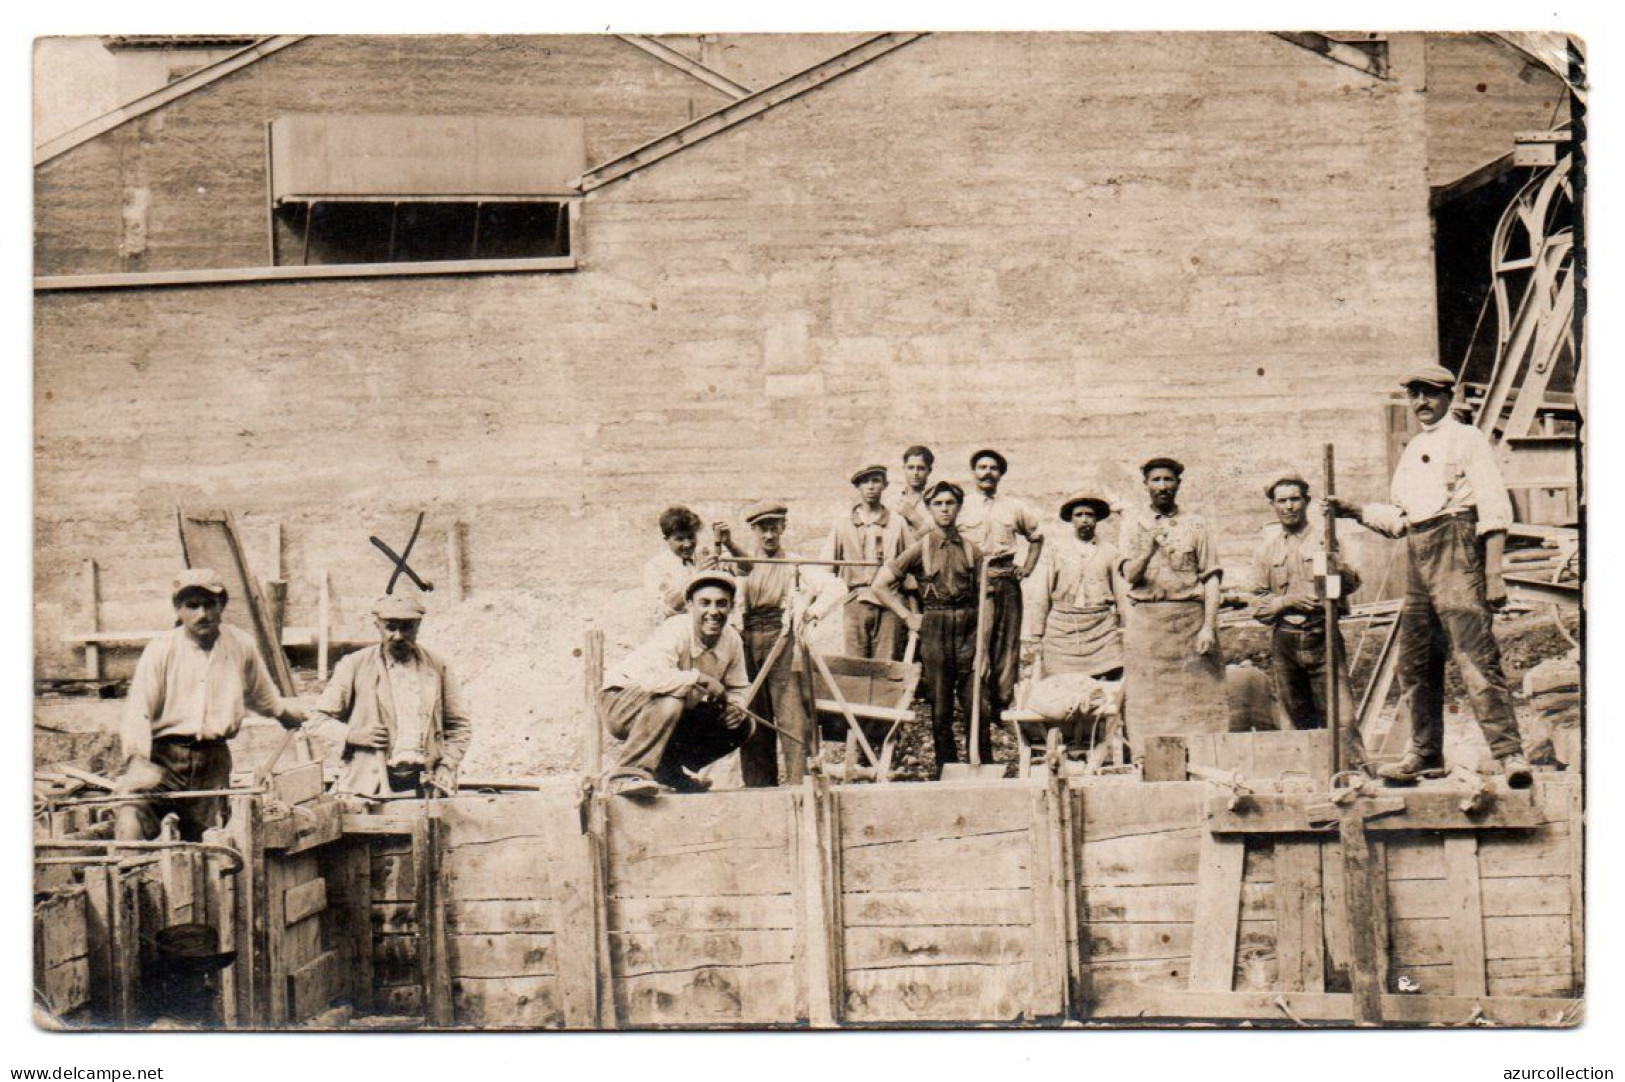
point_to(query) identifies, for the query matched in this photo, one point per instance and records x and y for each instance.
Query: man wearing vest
(405, 729)
(1451, 507)
(872, 533)
(944, 563)
(767, 592)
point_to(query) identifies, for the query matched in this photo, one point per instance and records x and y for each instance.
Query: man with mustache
(994, 521)
(678, 701)
(406, 730)
(1451, 507)
(1174, 676)
(767, 592)
(1287, 599)
(1081, 598)
(190, 691)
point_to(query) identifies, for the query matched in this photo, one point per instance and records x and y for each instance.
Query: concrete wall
(185, 186)
(1480, 92)
(1083, 249)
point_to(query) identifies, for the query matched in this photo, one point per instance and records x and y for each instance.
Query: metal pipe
(179, 794)
(798, 561)
(235, 857)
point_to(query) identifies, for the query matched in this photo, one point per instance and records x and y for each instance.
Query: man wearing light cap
(1174, 670)
(406, 730)
(188, 697)
(993, 522)
(1080, 600)
(678, 701)
(1451, 507)
(768, 595)
(872, 533)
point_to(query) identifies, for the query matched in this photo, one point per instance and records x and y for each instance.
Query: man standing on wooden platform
(1078, 616)
(405, 727)
(917, 463)
(870, 533)
(944, 563)
(678, 701)
(1174, 672)
(190, 691)
(768, 591)
(994, 522)
(1451, 507)
(1287, 599)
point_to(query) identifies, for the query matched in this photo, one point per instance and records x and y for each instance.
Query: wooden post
(1466, 915)
(454, 559)
(1050, 885)
(1218, 907)
(582, 981)
(253, 978)
(593, 654)
(276, 602)
(818, 846)
(273, 548)
(1364, 980)
(93, 596)
(427, 838)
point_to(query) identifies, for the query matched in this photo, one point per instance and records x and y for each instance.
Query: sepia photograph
(890, 529)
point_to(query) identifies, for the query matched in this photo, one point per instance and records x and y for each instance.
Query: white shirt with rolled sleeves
(182, 690)
(995, 523)
(1447, 468)
(670, 662)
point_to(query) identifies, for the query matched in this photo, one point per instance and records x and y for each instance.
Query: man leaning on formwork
(768, 593)
(188, 697)
(1452, 509)
(678, 701)
(406, 730)
(1286, 598)
(870, 533)
(994, 521)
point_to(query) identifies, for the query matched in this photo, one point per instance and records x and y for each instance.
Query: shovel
(976, 768)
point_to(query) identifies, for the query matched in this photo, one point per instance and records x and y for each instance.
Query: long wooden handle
(973, 739)
(264, 772)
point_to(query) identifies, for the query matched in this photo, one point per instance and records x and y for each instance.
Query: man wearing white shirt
(678, 701)
(1451, 507)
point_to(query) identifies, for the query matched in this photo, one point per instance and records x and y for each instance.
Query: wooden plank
(507, 1002)
(1466, 916)
(1010, 906)
(1359, 887)
(313, 986)
(298, 784)
(64, 928)
(707, 995)
(1525, 896)
(702, 914)
(1049, 942)
(1165, 858)
(454, 560)
(820, 902)
(1171, 903)
(399, 1000)
(1576, 876)
(894, 948)
(1165, 759)
(983, 992)
(1218, 894)
(515, 869)
(497, 915)
(506, 954)
(1288, 813)
(637, 953)
(93, 602)
(1130, 942)
(879, 817)
(438, 1006)
(397, 959)
(352, 927)
(1132, 811)
(733, 843)
(1430, 941)
(997, 861)
(66, 986)
(1299, 936)
(211, 539)
(394, 918)
(304, 900)
(578, 895)
(593, 666)
(1130, 1002)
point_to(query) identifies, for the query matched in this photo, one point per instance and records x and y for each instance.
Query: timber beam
(1312, 813)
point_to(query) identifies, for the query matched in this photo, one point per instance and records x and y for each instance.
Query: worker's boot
(1412, 769)
(1517, 771)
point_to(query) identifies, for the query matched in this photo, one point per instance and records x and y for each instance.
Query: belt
(1316, 626)
(190, 742)
(955, 606)
(1470, 514)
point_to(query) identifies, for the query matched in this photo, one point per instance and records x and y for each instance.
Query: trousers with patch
(1444, 614)
(1298, 679)
(779, 701)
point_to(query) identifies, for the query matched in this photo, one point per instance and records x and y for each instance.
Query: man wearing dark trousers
(944, 563)
(871, 533)
(768, 591)
(1451, 507)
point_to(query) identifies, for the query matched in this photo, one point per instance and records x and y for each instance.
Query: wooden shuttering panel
(210, 539)
(359, 157)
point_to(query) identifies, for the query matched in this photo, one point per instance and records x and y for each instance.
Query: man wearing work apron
(1174, 669)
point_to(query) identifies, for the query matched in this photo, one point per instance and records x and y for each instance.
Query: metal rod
(179, 794)
(799, 561)
(1332, 721)
(235, 857)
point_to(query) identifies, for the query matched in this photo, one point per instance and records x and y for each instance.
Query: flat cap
(988, 452)
(860, 474)
(764, 509)
(710, 578)
(404, 607)
(1163, 462)
(197, 578)
(1102, 509)
(1434, 375)
(944, 486)
(1286, 479)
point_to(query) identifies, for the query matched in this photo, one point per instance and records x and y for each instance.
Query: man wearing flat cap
(769, 599)
(944, 563)
(994, 521)
(872, 533)
(1451, 507)
(678, 701)
(1077, 616)
(405, 727)
(188, 697)
(1174, 671)
(1287, 599)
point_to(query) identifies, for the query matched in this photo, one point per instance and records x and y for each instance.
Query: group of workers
(1144, 613)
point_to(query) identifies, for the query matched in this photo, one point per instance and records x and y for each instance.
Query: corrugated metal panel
(361, 156)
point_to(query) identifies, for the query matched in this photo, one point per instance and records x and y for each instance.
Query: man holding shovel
(945, 564)
(768, 594)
